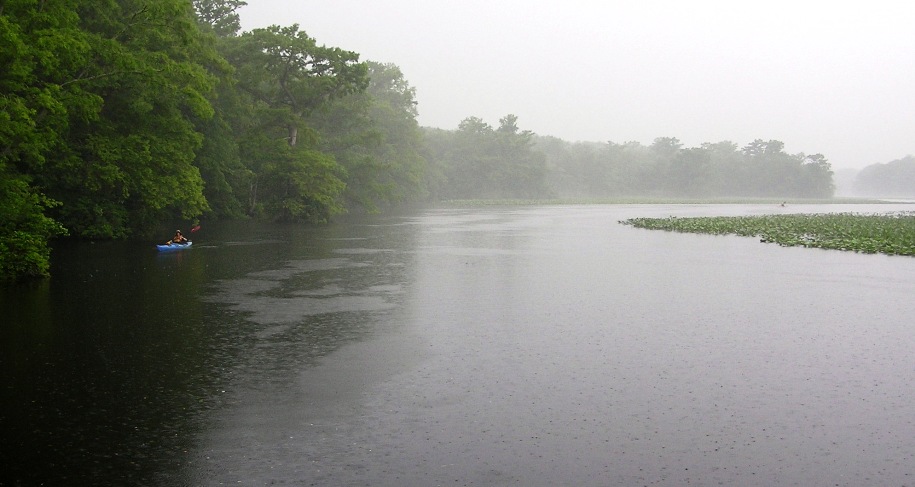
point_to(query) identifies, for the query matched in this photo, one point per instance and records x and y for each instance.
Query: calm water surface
(485, 346)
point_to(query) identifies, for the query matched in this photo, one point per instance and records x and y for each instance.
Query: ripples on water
(525, 346)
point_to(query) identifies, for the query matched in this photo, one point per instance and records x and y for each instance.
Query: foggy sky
(836, 78)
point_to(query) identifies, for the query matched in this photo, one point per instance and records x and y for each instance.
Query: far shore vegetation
(189, 119)
(890, 233)
(649, 200)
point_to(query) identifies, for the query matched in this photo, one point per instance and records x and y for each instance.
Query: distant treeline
(666, 168)
(895, 179)
(478, 161)
(116, 117)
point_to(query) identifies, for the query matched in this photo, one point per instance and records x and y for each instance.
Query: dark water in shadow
(522, 346)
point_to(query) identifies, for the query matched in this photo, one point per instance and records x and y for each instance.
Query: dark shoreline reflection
(483, 346)
(111, 368)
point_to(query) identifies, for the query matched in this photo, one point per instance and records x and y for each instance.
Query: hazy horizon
(823, 78)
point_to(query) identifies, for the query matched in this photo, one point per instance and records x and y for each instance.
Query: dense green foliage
(282, 76)
(375, 138)
(892, 234)
(118, 117)
(24, 229)
(477, 161)
(895, 179)
(103, 100)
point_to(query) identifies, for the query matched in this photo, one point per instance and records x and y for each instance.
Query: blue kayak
(172, 247)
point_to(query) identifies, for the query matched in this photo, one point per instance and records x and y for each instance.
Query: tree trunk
(252, 197)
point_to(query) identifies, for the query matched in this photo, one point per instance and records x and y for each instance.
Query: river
(542, 345)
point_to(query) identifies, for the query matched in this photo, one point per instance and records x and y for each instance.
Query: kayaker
(177, 239)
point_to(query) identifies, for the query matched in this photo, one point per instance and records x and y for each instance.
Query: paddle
(196, 227)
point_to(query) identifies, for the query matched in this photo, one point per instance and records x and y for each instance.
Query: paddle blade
(196, 227)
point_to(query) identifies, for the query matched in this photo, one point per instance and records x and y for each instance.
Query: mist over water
(519, 345)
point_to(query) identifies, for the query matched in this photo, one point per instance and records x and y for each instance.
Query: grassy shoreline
(891, 234)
